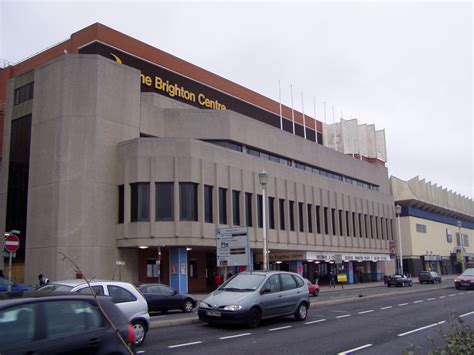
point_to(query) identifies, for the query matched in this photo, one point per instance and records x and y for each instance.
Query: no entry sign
(12, 243)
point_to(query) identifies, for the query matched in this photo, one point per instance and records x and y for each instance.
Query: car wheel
(301, 312)
(316, 293)
(140, 332)
(389, 285)
(188, 306)
(254, 318)
(409, 284)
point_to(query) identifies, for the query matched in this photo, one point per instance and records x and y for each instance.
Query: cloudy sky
(404, 66)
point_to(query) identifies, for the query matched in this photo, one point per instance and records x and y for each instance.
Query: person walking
(43, 280)
(316, 277)
(332, 280)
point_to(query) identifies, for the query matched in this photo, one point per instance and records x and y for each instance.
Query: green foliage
(461, 342)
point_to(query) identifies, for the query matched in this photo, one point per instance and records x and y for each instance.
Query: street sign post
(232, 247)
(12, 243)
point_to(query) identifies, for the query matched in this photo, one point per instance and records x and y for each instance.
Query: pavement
(192, 318)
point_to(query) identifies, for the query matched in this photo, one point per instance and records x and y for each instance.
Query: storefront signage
(232, 247)
(318, 256)
(291, 256)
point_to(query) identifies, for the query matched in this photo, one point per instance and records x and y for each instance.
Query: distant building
(435, 223)
(130, 160)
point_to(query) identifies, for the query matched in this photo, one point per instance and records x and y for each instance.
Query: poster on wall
(183, 269)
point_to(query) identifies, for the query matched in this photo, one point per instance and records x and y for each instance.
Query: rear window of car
(425, 273)
(120, 295)
(288, 282)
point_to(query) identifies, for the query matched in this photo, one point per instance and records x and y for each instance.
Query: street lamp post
(263, 177)
(461, 244)
(398, 210)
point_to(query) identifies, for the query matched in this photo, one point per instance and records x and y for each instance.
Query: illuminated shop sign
(154, 78)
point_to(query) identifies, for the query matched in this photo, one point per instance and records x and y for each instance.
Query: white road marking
(431, 299)
(419, 301)
(235, 336)
(363, 312)
(387, 307)
(273, 329)
(402, 304)
(344, 316)
(140, 351)
(452, 294)
(158, 316)
(316, 321)
(422, 328)
(355, 349)
(466, 314)
(461, 293)
(442, 296)
(187, 344)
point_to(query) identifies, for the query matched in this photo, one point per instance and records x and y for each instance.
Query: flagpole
(292, 110)
(304, 118)
(281, 116)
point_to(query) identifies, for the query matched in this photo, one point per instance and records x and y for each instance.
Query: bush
(459, 343)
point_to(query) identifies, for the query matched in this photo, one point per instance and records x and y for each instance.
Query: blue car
(4, 282)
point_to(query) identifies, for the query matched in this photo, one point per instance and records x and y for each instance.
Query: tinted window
(248, 209)
(208, 207)
(120, 203)
(120, 295)
(236, 207)
(166, 291)
(71, 317)
(273, 284)
(222, 205)
(151, 289)
(299, 281)
(17, 325)
(287, 282)
(98, 290)
(164, 201)
(140, 202)
(188, 201)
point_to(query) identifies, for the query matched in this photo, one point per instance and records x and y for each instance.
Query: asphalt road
(388, 324)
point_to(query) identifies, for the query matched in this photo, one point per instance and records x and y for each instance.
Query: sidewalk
(192, 318)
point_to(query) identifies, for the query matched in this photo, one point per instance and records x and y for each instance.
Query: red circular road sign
(12, 243)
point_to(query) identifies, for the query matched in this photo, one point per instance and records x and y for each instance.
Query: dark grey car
(250, 297)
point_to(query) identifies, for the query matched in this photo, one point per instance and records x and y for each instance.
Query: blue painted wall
(179, 269)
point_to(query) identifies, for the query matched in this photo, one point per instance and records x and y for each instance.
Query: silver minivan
(249, 297)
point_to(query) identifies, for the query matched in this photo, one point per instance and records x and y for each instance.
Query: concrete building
(129, 161)
(437, 227)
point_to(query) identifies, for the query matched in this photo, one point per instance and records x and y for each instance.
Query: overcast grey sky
(404, 66)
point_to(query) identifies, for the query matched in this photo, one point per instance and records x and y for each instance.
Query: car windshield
(243, 283)
(55, 287)
(468, 272)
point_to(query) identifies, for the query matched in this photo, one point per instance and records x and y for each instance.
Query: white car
(126, 297)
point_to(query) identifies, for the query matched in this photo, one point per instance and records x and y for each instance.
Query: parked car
(127, 298)
(465, 280)
(44, 322)
(312, 288)
(4, 283)
(399, 280)
(249, 297)
(163, 298)
(429, 277)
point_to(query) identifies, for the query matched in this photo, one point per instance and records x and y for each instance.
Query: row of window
(299, 165)
(336, 221)
(23, 93)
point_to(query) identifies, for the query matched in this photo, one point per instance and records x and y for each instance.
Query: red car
(312, 288)
(465, 280)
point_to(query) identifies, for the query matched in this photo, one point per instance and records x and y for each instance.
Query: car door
(18, 333)
(291, 294)
(171, 298)
(125, 301)
(153, 297)
(271, 301)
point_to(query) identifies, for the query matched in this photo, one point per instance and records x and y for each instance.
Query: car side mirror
(265, 290)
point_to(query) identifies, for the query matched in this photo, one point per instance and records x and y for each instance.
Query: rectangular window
(333, 221)
(367, 227)
(164, 200)
(374, 230)
(236, 207)
(310, 219)
(120, 203)
(318, 220)
(325, 220)
(291, 214)
(271, 212)
(282, 213)
(300, 216)
(208, 205)
(23, 93)
(360, 226)
(140, 202)
(248, 209)
(354, 234)
(222, 205)
(340, 223)
(347, 224)
(259, 211)
(188, 210)
(421, 228)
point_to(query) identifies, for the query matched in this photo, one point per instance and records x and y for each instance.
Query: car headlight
(204, 305)
(456, 280)
(232, 307)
